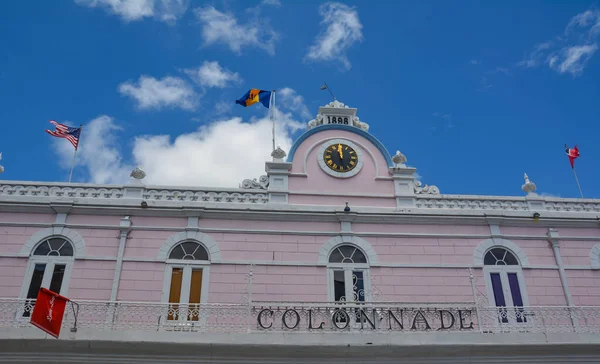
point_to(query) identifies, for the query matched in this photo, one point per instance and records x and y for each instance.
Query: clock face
(340, 157)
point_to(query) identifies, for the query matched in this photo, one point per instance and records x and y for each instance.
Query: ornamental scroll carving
(253, 184)
(426, 190)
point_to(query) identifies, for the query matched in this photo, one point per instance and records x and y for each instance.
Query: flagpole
(75, 153)
(577, 180)
(326, 87)
(272, 107)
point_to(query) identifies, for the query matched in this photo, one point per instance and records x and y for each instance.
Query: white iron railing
(311, 317)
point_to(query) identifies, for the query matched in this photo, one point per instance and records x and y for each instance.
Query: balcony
(307, 317)
(267, 332)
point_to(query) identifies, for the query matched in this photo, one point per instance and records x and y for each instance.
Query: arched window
(505, 283)
(500, 256)
(186, 280)
(54, 247)
(190, 250)
(49, 267)
(348, 274)
(347, 254)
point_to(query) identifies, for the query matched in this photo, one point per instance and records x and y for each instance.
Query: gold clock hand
(339, 149)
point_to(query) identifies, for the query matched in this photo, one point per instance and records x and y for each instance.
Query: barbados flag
(253, 96)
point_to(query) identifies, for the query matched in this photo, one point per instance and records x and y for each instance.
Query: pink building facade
(337, 246)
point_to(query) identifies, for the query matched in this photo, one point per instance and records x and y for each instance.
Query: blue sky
(474, 94)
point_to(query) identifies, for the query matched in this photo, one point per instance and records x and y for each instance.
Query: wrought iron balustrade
(312, 317)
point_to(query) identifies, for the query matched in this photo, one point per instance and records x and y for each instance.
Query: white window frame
(50, 262)
(187, 266)
(348, 268)
(503, 270)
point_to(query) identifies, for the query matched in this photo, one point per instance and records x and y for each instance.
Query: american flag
(67, 132)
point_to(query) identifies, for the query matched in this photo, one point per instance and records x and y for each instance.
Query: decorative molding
(61, 191)
(362, 244)
(253, 184)
(58, 231)
(594, 256)
(50, 197)
(486, 245)
(348, 128)
(570, 206)
(426, 190)
(244, 196)
(472, 203)
(214, 253)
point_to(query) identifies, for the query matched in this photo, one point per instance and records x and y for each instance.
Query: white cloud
(342, 30)
(275, 3)
(573, 59)
(98, 154)
(588, 21)
(570, 52)
(293, 102)
(211, 74)
(220, 27)
(220, 154)
(131, 10)
(223, 107)
(536, 56)
(151, 93)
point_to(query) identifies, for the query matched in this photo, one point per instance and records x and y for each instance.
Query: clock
(340, 158)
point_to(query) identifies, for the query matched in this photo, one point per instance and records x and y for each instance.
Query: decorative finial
(138, 174)
(278, 153)
(1, 168)
(529, 187)
(399, 159)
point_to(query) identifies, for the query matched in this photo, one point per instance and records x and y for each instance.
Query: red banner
(49, 311)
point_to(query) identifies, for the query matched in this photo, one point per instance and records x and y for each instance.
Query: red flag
(573, 154)
(48, 311)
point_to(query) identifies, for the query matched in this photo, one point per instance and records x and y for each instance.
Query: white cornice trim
(285, 212)
(564, 239)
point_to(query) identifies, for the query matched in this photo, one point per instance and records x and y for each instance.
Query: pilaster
(278, 173)
(193, 218)
(494, 223)
(554, 240)
(62, 210)
(346, 219)
(134, 190)
(124, 228)
(404, 185)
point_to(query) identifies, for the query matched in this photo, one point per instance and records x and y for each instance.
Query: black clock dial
(340, 157)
